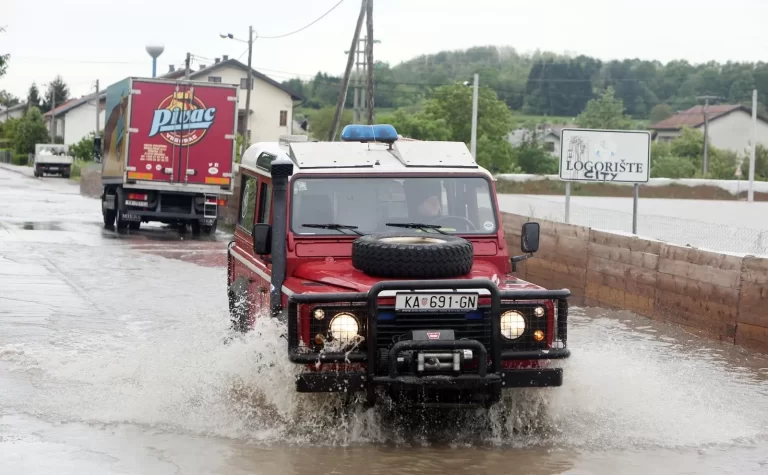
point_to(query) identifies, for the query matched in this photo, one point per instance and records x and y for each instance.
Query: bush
(668, 166)
(77, 167)
(20, 159)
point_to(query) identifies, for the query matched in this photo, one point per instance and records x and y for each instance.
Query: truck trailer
(168, 152)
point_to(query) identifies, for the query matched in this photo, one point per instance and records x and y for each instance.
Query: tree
(418, 126)
(33, 96)
(532, 157)
(322, 120)
(605, 112)
(660, 112)
(7, 99)
(4, 58)
(60, 88)
(29, 131)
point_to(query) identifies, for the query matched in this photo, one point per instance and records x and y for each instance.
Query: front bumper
(490, 376)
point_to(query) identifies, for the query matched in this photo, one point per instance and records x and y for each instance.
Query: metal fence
(5, 156)
(698, 234)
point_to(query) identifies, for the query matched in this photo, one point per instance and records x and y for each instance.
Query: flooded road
(112, 361)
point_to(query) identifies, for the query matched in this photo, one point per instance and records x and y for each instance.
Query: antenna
(155, 51)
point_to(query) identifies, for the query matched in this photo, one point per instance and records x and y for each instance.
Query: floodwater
(112, 361)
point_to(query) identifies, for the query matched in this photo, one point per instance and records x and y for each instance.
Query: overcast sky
(85, 40)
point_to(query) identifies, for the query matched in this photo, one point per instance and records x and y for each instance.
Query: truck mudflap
(408, 362)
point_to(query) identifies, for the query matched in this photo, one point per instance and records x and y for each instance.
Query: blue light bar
(369, 133)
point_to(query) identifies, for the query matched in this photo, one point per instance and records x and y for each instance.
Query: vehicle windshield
(341, 205)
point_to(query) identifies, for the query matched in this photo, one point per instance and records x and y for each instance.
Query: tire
(120, 224)
(108, 214)
(37, 172)
(210, 230)
(408, 255)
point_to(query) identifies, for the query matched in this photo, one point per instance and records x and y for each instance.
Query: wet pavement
(112, 361)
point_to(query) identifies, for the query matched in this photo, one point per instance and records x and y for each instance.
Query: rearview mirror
(262, 239)
(529, 239)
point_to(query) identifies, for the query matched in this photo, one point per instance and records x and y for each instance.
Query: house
(76, 118)
(13, 112)
(548, 136)
(271, 113)
(730, 126)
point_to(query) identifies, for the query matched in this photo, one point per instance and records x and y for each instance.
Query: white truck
(53, 158)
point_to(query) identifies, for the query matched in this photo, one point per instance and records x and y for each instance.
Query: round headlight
(343, 327)
(512, 324)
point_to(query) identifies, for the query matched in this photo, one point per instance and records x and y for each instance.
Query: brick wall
(720, 295)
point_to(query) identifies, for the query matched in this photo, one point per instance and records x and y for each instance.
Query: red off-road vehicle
(387, 260)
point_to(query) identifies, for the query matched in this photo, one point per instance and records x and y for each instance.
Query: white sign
(621, 156)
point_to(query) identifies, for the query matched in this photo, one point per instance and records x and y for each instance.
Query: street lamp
(246, 140)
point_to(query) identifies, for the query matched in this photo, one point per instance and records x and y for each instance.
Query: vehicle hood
(344, 277)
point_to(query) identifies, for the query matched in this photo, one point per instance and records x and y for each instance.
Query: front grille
(390, 331)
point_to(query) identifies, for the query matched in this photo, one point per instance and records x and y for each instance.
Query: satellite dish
(155, 51)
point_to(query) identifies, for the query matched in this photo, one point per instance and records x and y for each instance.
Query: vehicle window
(265, 202)
(247, 203)
(460, 205)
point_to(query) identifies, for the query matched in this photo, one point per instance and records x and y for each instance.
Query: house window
(549, 146)
(283, 118)
(244, 83)
(214, 79)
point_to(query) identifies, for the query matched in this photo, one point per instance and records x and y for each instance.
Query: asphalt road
(112, 361)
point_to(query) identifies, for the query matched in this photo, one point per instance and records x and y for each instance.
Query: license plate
(423, 302)
(131, 217)
(136, 203)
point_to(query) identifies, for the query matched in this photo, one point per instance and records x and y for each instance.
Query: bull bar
(494, 377)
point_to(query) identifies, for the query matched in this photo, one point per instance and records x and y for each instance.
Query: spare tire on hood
(413, 255)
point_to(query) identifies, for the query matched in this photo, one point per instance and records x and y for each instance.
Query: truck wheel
(120, 224)
(37, 172)
(210, 230)
(412, 255)
(108, 214)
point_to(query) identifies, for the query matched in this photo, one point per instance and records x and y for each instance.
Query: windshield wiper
(423, 227)
(337, 227)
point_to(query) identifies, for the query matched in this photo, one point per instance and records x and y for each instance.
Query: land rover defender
(387, 260)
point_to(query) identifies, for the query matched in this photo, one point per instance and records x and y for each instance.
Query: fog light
(539, 311)
(319, 314)
(512, 324)
(538, 335)
(343, 327)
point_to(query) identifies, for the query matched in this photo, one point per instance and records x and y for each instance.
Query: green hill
(551, 85)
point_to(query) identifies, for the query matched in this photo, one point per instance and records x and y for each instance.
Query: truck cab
(387, 260)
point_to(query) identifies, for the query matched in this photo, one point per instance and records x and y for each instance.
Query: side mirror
(262, 239)
(529, 241)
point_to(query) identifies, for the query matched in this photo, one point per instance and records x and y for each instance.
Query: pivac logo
(182, 119)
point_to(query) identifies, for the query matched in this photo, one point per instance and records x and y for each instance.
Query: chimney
(202, 66)
(216, 60)
(224, 57)
(171, 68)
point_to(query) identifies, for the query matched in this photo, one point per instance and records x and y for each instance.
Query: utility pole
(53, 114)
(751, 191)
(247, 139)
(345, 80)
(473, 139)
(706, 130)
(369, 57)
(97, 109)
(186, 66)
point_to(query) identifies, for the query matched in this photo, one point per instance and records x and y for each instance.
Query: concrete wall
(722, 296)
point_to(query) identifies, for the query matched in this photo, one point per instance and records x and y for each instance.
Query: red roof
(694, 117)
(61, 106)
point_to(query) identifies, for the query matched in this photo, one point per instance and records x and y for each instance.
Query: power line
(304, 27)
